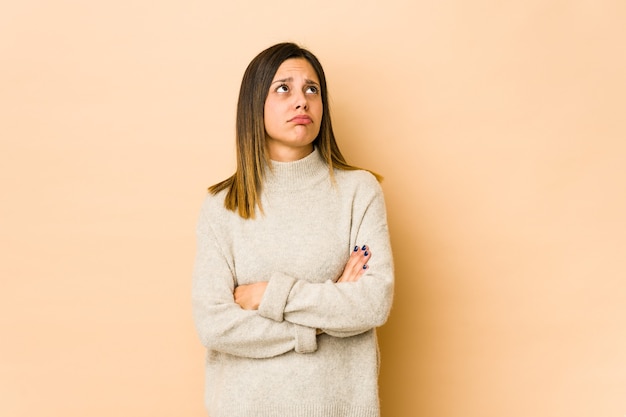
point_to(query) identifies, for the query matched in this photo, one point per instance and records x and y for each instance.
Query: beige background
(499, 127)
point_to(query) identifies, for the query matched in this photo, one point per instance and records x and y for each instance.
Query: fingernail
(364, 247)
(365, 253)
(364, 266)
(356, 248)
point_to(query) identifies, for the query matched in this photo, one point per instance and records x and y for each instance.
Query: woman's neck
(289, 153)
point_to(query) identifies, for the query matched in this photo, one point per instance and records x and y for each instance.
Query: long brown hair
(244, 186)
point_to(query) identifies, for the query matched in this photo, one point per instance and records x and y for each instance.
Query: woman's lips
(301, 120)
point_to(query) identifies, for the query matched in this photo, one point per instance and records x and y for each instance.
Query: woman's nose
(302, 102)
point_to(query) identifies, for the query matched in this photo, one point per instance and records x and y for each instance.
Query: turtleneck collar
(298, 174)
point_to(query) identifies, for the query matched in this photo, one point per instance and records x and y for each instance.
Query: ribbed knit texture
(269, 362)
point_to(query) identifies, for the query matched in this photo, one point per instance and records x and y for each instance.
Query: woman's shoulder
(213, 204)
(357, 178)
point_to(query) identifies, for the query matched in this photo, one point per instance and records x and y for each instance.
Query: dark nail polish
(365, 253)
(364, 266)
(356, 248)
(364, 247)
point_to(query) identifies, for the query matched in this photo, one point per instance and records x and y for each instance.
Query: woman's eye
(312, 89)
(282, 88)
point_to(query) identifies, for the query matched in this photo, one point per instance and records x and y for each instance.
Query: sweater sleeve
(221, 324)
(342, 309)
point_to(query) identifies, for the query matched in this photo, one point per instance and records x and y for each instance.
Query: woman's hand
(357, 264)
(249, 296)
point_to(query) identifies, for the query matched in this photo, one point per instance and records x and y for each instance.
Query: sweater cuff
(306, 339)
(275, 297)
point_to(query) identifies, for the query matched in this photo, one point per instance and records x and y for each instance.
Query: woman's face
(293, 111)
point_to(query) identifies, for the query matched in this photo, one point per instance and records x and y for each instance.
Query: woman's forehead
(296, 66)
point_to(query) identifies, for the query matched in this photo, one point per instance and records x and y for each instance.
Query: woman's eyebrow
(290, 79)
(284, 80)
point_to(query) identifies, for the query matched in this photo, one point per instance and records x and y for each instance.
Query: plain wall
(499, 129)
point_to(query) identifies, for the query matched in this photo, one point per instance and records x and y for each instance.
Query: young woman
(294, 270)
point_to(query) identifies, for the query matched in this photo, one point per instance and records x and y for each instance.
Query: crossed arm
(249, 296)
(270, 318)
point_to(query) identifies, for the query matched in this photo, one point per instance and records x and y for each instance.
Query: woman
(286, 291)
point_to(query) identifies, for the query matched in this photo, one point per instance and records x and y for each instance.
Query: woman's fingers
(356, 265)
(249, 296)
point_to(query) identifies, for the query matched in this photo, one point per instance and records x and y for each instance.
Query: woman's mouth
(301, 120)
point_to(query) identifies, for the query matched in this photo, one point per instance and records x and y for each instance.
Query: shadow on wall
(403, 360)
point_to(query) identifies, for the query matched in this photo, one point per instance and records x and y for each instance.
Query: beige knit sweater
(270, 363)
